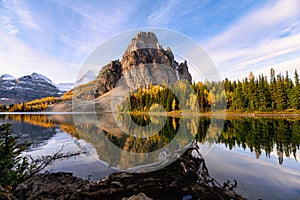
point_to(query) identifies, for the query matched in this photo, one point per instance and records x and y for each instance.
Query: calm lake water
(262, 154)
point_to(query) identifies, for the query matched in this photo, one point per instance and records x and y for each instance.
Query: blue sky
(54, 37)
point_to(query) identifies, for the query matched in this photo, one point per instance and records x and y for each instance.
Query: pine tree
(295, 96)
(289, 90)
(281, 94)
(239, 98)
(273, 89)
(252, 94)
(296, 78)
(261, 94)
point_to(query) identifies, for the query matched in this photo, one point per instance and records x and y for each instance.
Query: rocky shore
(186, 177)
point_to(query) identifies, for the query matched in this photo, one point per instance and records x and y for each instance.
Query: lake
(261, 154)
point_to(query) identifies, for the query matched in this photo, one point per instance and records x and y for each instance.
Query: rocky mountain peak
(143, 63)
(143, 40)
(143, 49)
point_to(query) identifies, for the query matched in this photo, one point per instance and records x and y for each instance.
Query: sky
(54, 37)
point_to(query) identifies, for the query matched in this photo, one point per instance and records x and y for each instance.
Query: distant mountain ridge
(35, 86)
(88, 76)
(26, 88)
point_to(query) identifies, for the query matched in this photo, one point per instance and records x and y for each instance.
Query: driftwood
(188, 175)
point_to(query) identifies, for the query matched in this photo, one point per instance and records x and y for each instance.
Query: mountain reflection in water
(260, 135)
(260, 153)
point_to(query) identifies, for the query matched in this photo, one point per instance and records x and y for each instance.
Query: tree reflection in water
(108, 133)
(258, 134)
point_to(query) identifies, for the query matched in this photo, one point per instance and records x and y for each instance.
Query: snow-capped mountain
(64, 87)
(35, 86)
(41, 77)
(26, 88)
(90, 75)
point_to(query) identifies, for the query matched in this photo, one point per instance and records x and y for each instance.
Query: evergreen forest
(278, 93)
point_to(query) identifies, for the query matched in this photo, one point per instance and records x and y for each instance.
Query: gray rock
(108, 77)
(184, 71)
(144, 62)
(143, 40)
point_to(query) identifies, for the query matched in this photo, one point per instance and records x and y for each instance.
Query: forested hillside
(278, 93)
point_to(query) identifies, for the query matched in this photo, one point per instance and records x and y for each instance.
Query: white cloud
(18, 59)
(282, 67)
(84, 29)
(8, 25)
(162, 15)
(238, 60)
(262, 63)
(95, 24)
(16, 15)
(257, 25)
(76, 28)
(263, 35)
(25, 17)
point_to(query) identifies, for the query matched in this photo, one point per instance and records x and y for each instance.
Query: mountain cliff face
(144, 62)
(26, 88)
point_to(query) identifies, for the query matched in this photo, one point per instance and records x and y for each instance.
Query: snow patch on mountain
(7, 77)
(89, 76)
(40, 77)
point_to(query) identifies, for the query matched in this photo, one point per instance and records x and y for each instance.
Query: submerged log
(188, 175)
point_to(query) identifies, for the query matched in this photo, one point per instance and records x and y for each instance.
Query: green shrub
(14, 167)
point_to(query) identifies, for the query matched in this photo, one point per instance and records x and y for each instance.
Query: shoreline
(175, 114)
(179, 179)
